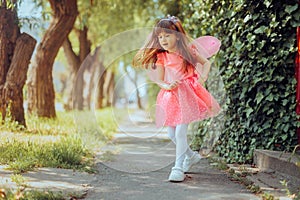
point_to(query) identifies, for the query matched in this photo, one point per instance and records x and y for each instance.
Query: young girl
(172, 58)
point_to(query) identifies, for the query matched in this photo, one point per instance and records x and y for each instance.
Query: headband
(172, 19)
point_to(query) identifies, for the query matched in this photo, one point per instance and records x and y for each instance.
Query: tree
(75, 61)
(15, 53)
(90, 30)
(134, 80)
(41, 96)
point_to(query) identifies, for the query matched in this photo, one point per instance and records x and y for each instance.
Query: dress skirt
(187, 103)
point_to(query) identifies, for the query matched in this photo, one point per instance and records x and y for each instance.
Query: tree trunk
(75, 62)
(139, 102)
(9, 32)
(41, 96)
(16, 77)
(91, 88)
(100, 86)
(97, 79)
(134, 82)
(108, 87)
(77, 90)
(74, 65)
(95, 66)
(15, 52)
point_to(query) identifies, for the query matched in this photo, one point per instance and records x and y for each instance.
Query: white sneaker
(176, 175)
(189, 162)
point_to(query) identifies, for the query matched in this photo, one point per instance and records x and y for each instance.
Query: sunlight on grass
(65, 142)
(9, 194)
(62, 125)
(67, 152)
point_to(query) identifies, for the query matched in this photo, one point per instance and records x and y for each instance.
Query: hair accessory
(172, 18)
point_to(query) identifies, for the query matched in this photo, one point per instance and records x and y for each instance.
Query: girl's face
(168, 41)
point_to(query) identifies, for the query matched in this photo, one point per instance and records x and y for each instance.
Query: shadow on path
(137, 163)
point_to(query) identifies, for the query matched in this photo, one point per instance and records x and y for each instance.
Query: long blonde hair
(147, 56)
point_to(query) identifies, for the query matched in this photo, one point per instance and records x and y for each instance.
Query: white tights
(178, 135)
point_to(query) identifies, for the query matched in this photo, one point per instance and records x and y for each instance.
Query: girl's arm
(204, 67)
(160, 79)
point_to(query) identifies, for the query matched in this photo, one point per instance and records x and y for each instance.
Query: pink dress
(188, 102)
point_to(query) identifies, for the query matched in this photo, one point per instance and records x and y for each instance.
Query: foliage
(256, 60)
(295, 196)
(267, 196)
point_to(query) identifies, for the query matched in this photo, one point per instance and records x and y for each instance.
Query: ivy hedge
(256, 62)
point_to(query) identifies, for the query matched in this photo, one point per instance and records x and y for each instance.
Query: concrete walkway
(137, 163)
(136, 166)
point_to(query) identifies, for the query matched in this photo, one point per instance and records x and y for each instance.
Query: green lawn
(65, 142)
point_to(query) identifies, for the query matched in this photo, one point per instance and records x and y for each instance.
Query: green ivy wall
(257, 67)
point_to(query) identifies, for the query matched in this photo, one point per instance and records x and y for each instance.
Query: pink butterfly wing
(207, 45)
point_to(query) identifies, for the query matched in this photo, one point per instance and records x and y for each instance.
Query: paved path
(136, 165)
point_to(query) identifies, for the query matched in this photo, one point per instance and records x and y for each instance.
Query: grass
(64, 142)
(6, 194)
(240, 177)
(67, 152)
(24, 192)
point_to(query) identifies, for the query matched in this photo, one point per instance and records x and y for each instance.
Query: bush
(257, 65)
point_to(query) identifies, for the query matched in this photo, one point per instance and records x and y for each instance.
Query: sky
(27, 9)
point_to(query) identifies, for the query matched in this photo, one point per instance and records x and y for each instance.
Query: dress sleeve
(160, 59)
(154, 73)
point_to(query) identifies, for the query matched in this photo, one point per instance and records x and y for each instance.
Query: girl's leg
(182, 149)
(171, 133)
(181, 144)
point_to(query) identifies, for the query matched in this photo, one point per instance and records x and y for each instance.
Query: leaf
(247, 18)
(295, 23)
(249, 111)
(267, 3)
(284, 137)
(284, 102)
(264, 60)
(270, 111)
(259, 97)
(286, 128)
(289, 9)
(238, 45)
(270, 97)
(260, 30)
(296, 16)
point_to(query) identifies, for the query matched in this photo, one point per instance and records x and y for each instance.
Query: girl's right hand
(170, 86)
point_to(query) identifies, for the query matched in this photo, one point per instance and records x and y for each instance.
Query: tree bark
(108, 87)
(15, 53)
(95, 66)
(74, 65)
(41, 95)
(76, 61)
(100, 86)
(16, 77)
(9, 32)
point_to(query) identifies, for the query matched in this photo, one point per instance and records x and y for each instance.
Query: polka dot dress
(188, 102)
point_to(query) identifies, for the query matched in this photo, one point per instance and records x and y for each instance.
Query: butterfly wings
(207, 46)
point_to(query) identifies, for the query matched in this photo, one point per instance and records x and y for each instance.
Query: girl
(172, 59)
